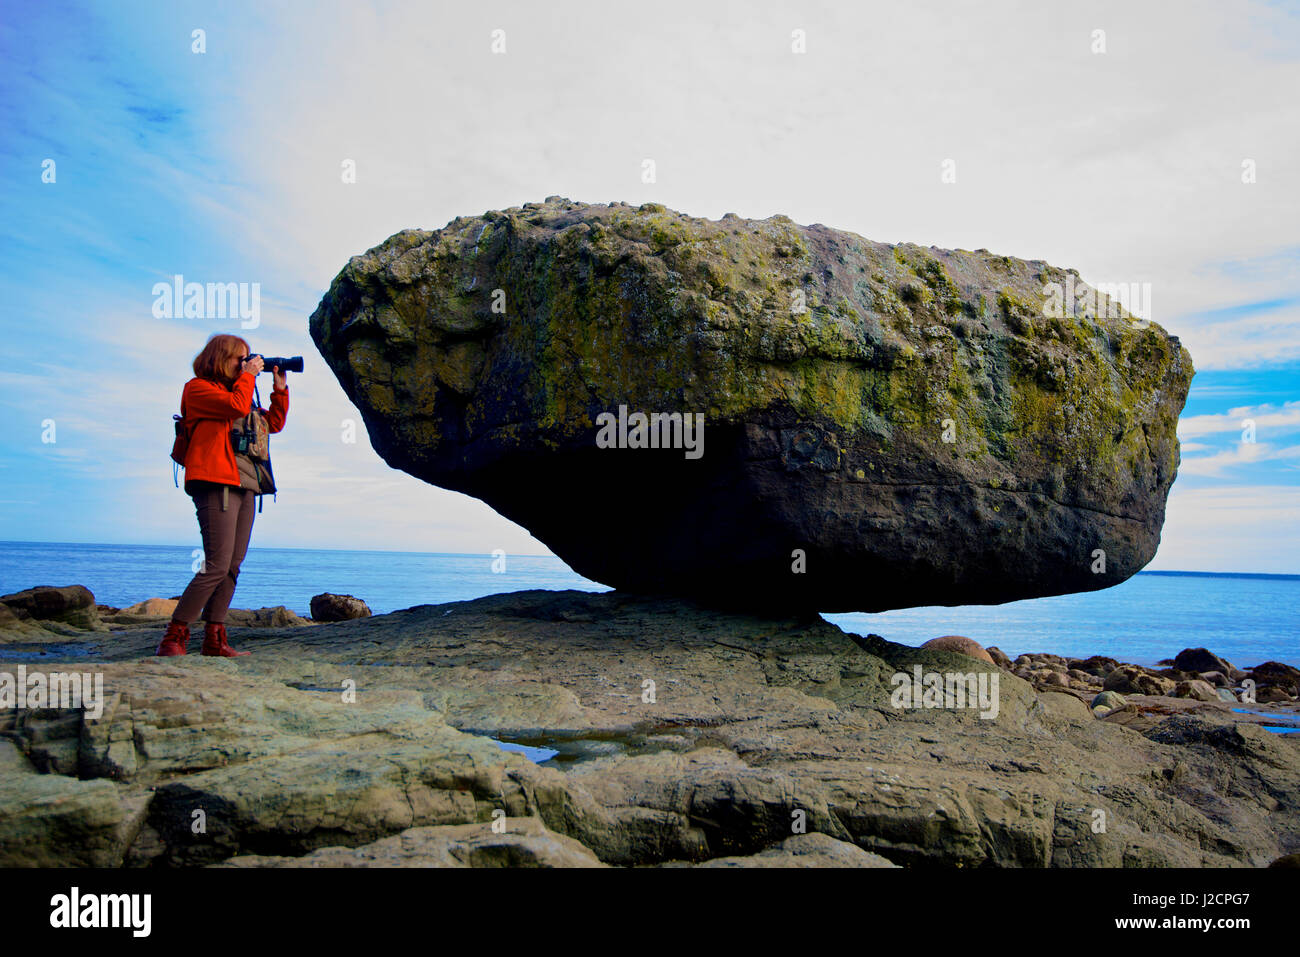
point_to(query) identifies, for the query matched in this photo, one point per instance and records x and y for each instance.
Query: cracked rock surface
(683, 735)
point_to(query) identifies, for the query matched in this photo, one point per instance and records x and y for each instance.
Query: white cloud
(1238, 528)
(1243, 453)
(1265, 417)
(1116, 164)
(1124, 165)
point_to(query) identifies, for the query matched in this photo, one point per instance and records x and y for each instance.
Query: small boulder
(1202, 659)
(1271, 694)
(1098, 665)
(330, 607)
(1277, 674)
(1225, 694)
(151, 608)
(1216, 678)
(275, 617)
(1200, 690)
(1109, 700)
(1046, 659)
(1061, 704)
(70, 604)
(1130, 679)
(1000, 657)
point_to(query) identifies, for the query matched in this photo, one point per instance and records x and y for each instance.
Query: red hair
(216, 362)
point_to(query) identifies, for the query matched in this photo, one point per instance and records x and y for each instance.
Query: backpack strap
(176, 467)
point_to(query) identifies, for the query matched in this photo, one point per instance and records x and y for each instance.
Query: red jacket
(210, 409)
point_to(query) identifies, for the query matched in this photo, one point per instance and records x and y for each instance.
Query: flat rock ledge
(682, 736)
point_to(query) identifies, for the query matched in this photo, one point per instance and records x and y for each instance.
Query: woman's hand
(253, 365)
(280, 380)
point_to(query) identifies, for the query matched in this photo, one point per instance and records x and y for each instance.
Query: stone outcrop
(684, 736)
(806, 850)
(275, 616)
(330, 607)
(1200, 660)
(522, 842)
(54, 608)
(884, 425)
(149, 608)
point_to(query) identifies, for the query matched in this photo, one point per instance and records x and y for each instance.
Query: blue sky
(224, 166)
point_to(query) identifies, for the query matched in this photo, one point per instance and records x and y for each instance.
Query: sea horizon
(407, 551)
(1241, 616)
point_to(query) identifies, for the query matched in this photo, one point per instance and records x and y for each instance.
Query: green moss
(662, 311)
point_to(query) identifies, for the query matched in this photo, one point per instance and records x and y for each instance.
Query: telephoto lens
(286, 363)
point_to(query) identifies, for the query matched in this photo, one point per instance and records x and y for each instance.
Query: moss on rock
(525, 324)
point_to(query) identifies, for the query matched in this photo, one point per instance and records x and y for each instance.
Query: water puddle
(560, 749)
(1275, 715)
(1290, 716)
(536, 755)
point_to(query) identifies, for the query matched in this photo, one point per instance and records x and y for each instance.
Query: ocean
(1244, 618)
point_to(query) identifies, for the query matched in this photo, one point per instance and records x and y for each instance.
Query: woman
(224, 489)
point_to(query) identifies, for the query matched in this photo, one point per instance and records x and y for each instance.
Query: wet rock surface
(695, 736)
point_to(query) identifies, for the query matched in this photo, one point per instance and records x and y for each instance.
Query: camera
(242, 440)
(286, 363)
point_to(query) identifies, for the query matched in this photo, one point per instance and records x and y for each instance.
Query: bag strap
(176, 467)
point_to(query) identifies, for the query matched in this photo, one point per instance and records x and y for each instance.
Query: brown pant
(225, 542)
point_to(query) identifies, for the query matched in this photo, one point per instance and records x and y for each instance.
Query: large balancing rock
(884, 426)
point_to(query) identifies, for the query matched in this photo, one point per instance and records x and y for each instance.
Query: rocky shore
(681, 735)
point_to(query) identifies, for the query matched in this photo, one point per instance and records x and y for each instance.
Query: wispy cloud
(1241, 454)
(226, 166)
(1233, 528)
(1263, 417)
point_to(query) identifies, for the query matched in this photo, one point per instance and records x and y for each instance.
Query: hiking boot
(215, 644)
(174, 642)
